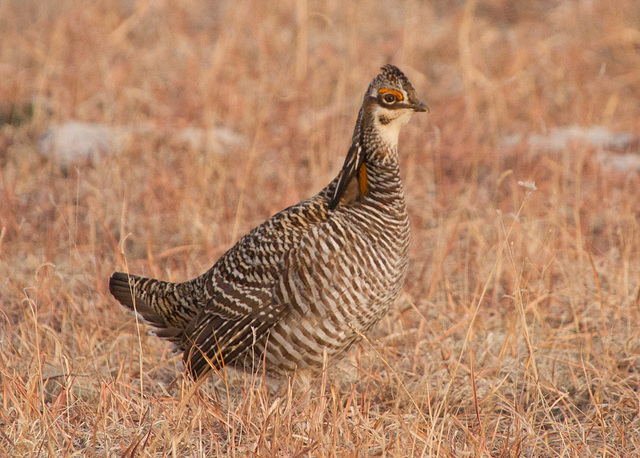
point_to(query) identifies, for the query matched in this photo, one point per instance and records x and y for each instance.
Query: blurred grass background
(518, 329)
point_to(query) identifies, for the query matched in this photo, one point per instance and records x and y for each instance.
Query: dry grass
(518, 333)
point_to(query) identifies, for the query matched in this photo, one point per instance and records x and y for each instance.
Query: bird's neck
(382, 178)
(379, 141)
(371, 166)
(379, 175)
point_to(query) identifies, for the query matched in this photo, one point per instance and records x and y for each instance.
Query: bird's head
(390, 101)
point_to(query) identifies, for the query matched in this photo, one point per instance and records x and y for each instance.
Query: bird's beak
(420, 106)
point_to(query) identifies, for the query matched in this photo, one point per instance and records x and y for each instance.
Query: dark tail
(164, 305)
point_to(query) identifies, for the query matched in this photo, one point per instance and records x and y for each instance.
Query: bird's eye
(389, 98)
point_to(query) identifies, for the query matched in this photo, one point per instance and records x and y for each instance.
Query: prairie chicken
(305, 280)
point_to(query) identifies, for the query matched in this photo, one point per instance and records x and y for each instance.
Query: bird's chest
(381, 238)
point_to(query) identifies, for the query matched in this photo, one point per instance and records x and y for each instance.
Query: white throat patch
(390, 131)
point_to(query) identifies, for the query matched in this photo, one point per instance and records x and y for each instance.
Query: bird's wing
(213, 340)
(240, 308)
(322, 271)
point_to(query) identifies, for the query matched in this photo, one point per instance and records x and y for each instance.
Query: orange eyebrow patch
(392, 91)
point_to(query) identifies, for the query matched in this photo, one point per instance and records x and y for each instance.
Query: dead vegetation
(518, 332)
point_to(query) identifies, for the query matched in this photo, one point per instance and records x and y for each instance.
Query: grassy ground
(518, 329)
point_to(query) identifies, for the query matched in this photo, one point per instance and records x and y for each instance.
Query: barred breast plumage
(311, 278)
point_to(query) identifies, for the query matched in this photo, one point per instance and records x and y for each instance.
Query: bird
(310, 281)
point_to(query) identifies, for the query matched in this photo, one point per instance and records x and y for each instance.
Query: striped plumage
(305, 280)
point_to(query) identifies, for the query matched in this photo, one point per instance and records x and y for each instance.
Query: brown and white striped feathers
(305, 280)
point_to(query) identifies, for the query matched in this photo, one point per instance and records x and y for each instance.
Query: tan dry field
(518, 332)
